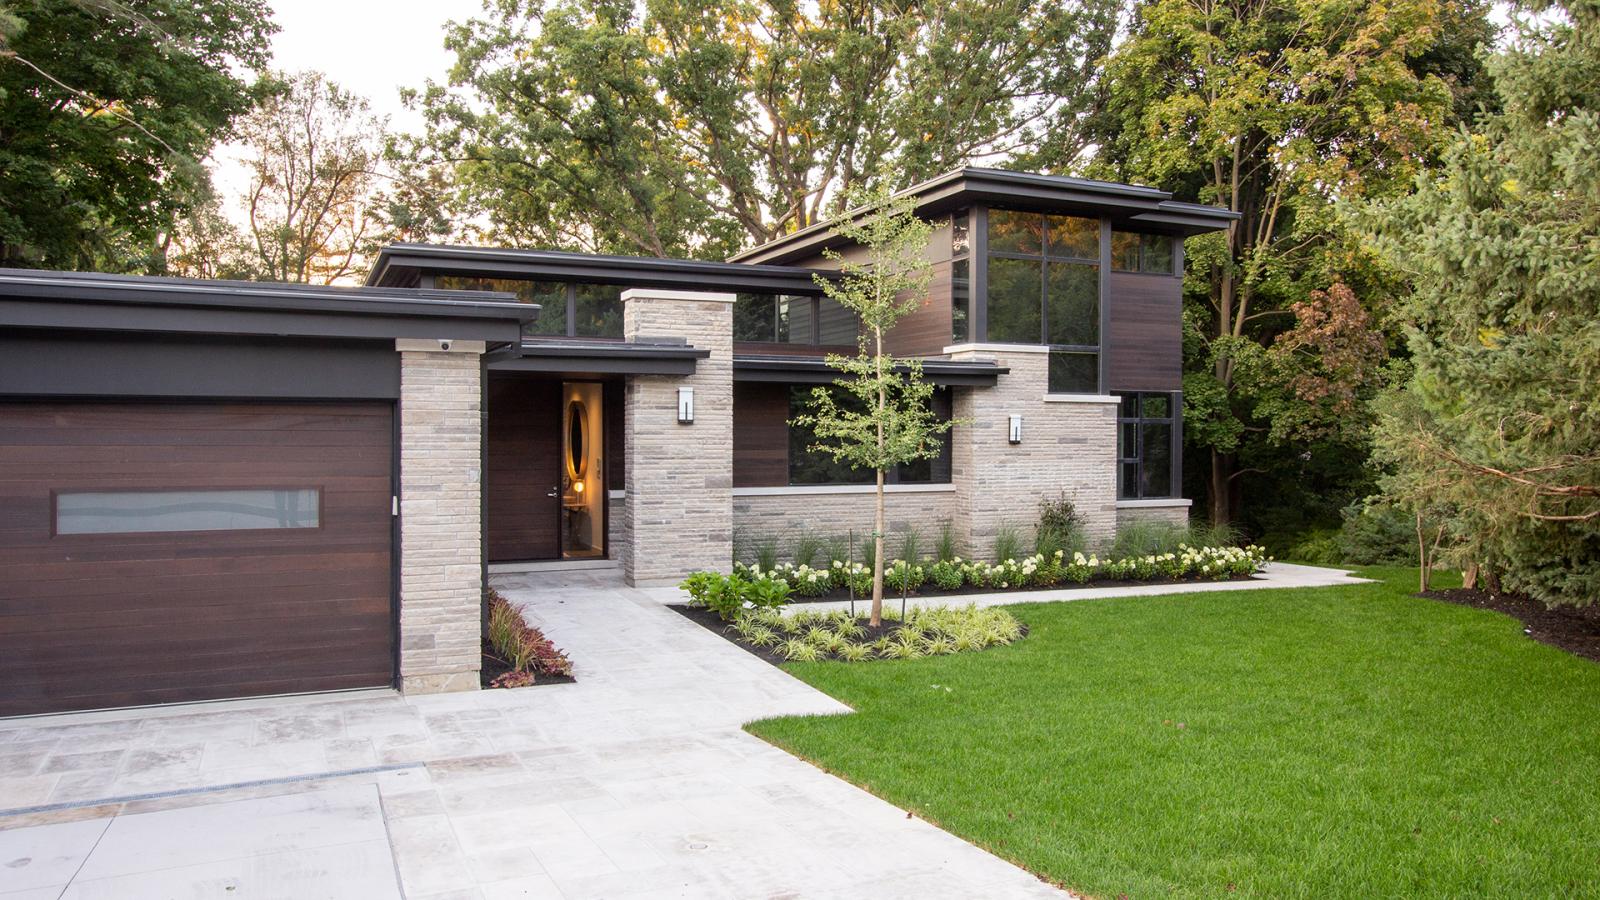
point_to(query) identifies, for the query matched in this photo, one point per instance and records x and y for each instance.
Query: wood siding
(103, 620)
(524, 457)
(926, 331)
(1146, 340)
(760, 434)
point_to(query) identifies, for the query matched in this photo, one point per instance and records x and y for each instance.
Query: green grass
(1329, 742)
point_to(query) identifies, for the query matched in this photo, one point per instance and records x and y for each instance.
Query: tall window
(960, 279)
(572, 310)
(1044, 288)
(1151, 253)
(1146, 458)
(807, 466)
(769, 319)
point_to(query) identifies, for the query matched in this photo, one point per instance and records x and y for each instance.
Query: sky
(372, 48)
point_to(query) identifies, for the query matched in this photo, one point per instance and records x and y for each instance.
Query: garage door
(170, 552)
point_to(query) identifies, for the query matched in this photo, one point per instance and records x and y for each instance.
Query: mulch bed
(843, 594)
(493, 667)
(1573, 629)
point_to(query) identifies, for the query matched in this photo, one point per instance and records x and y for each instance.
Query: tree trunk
(1221, 488)
(1469, 577)
(1424, 564)
(877, 556)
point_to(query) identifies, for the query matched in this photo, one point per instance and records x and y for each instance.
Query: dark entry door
(524, 450)
(157, 553)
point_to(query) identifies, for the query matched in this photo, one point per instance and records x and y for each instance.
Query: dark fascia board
(1135, 205)
(629, 271)
(94, 301)
(815, 370)
(598, 357)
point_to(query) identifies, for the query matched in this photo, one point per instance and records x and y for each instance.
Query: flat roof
(34, 298)
(1131, 205)
(398, 263)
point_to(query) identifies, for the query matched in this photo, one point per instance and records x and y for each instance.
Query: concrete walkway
(635, 782)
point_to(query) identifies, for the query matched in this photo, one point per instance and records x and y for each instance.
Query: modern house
(221, 489)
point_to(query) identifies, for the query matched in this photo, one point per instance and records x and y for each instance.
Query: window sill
(1110, 399)
(996, 347)
(1165, 502)
(802, 490)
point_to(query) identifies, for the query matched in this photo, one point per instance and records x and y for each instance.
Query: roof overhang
(403, 263)
(597, 357)
(815, 370)
(125, 303)
(1127, 205)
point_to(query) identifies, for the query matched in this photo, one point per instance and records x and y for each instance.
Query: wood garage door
(157, 553)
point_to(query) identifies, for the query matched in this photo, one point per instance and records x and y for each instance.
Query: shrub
(1317, 547)
(1059, 527)
(729, 596)
(911, 543)
(1377, 533)
(522, 647)
(767, 553)
(947, 547)
(806, 549)
(902, 576)
(946, 574)
(1148, 538)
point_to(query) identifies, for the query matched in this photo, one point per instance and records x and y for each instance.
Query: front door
(524, 443)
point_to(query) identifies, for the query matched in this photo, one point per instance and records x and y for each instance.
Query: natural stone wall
(785, 517)
(678, 513)
(1176, 515)
(441, 575)
(1067, 447)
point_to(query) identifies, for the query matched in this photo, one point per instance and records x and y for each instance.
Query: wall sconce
(1014, 433)
(686, 406)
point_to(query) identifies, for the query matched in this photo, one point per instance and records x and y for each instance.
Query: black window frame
(1143, 267)
(940, 469)
(812, 340)
(569, 293)
(1048, 254)
(1135, 456)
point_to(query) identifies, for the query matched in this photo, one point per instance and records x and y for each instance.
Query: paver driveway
(635, 782)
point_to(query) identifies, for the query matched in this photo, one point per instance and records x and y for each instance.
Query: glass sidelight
(583, 469)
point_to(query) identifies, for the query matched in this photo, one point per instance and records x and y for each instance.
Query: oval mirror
(576, 458)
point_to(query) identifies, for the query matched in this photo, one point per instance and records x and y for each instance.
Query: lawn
(1346, 741)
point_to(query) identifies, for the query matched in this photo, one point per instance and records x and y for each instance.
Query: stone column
(1069, 445)
(678, 512)
(441, 482)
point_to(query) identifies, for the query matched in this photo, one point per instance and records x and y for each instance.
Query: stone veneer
(1176, 514)
(678, 512)
(441, 574)
(1069, 445)
(790, 512)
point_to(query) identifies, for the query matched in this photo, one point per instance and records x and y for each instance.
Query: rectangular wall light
(1014, 433)
(686, 406)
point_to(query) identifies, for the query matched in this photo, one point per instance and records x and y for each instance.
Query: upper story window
(1150, 253)
(1146, 456)
(565, 308)
(1043, 287)
(765, 318)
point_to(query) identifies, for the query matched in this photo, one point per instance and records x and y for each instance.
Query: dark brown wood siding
(926, 331)
(1146, 340)
(760, 434)
(524, 457)
(102, 620)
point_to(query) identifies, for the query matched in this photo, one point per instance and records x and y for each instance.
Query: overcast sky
(370, 47)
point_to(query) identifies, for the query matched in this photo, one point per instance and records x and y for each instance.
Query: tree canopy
(684, 128)
(1496, 434)
(106, 109)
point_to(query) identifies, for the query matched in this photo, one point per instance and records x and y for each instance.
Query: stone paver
(635, 782)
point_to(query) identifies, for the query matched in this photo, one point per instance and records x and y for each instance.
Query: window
(1150, 253)
(807, 466)
(128, 512)
(1146, 432)
(565, 309)
(960, 279)
(1044, 288)
(769, 319)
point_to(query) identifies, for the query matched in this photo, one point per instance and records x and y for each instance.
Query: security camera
(444, 345)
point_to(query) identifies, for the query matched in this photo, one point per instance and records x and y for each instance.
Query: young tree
(106, 108)
(879, 413)
(1498, 425)
(314, 153)
(1280, 110)
(680, 128)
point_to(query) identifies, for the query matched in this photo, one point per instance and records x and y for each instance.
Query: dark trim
(483, 496)
(1104, 359)
(978, 273)
(814, 370)
(1177, 443)
(394, 540)
(973, 186)
(628, 271)
(598, 357)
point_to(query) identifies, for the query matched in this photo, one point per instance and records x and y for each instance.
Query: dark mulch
(838, 594)
(493, 667)
(710, 621)
(1573, 629)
